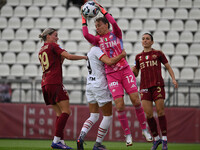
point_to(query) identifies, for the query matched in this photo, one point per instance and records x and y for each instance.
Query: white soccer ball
(90, 10)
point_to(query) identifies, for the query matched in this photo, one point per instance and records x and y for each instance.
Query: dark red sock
(57, 117)
(163, 125)
(153, 126)
(60, 125)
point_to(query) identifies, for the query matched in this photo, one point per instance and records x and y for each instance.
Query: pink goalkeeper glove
(103, 11)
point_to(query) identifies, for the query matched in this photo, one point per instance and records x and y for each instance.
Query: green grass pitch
(24, 144)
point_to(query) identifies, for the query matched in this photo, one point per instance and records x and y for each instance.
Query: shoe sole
(129, 144)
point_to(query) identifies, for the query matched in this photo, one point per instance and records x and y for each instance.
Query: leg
(62, 111)
(119, 103)
(139, 110)
(105, 124)
(148, 109)
(161, 116)
(162, 121)
(94, 116)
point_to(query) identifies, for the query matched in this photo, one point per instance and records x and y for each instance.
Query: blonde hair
(47, 31)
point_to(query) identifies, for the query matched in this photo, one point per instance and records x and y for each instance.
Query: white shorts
(100, 95)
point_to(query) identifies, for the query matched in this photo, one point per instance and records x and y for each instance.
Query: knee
(148, 115)
(94, 116)
(136, 101)
(160, 112)
(120, 108)
(67, 111)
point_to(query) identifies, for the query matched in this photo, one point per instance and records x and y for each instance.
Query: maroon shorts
(153, 93)
(54, 93)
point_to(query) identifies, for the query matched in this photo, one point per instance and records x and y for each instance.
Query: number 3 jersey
(96, 70)
(50, 60)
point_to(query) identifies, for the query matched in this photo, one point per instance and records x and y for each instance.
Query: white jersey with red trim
(96, 70)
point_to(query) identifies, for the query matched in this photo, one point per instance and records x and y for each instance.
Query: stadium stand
(173, 23)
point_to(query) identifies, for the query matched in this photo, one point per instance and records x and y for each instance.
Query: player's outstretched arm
(113, 60)
(72, 57)
(117, 31)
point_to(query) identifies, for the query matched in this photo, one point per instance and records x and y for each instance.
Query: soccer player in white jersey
(119, 76)
(98, 96)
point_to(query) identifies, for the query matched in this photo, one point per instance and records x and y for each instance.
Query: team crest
(154, 56)
(111, 36)
(105, 39)
(147, 57)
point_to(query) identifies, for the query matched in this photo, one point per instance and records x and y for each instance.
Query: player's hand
(103, 11)
(124, 53)
(84, 21)
(175, 83)
(82, 12)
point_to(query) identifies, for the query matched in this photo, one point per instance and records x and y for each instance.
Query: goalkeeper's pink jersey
(111, 44)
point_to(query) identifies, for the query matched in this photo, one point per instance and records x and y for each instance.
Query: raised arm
(116, 30)
(89, 37)
(113, 60)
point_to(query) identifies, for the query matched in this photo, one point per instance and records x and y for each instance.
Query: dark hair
(104, 20)
(149, 35)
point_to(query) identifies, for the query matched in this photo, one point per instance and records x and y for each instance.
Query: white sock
(103, 128)
(157, 138)
(56, 139)
(62, 141)
(88, 124)
(164, 138)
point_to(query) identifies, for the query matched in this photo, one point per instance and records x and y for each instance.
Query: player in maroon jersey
(51, 57)
(152, 87)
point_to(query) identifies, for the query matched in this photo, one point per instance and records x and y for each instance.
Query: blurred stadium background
(175, 25)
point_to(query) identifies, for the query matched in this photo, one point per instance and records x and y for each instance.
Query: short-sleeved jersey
(50, 60)
(150, 65)
(112, 46)
(96, 71)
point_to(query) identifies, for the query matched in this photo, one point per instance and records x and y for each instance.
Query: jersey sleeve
(163, 58)
(116, 30)
(94, 40)
(98, 52)
(57, 49)
(137, 63)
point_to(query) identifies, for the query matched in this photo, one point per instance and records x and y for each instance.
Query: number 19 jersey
(50, 60)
